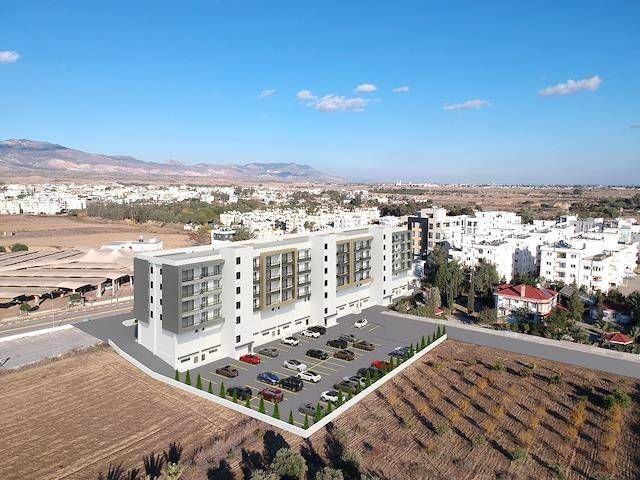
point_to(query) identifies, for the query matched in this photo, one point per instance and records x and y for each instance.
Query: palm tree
(153, 465)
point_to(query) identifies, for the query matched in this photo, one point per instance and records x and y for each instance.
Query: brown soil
(450, 416)
(48, 232)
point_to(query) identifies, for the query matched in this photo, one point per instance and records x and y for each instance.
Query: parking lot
(384, 332)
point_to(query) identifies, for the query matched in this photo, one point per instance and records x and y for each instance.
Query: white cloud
(468, 105)
(9, 56)
(403, 89)
(305, 95)
(338, 103)
(366, 88)
(572, 86)
(267, 93)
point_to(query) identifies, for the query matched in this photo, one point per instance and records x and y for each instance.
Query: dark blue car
(399, 352)
(268, 377)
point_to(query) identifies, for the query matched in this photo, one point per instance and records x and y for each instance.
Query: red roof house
(617, 338)
(538, 301)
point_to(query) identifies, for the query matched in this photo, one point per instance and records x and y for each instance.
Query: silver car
(269, 352)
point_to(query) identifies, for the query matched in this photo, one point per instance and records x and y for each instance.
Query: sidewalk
(87, 307)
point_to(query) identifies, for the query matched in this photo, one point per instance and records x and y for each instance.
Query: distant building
(536, 301)
(138, 246)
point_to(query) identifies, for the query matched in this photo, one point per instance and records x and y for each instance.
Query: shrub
(518, 454)
(328, 473)
(560, 471)
(555, 380)
(442, 428)
(498, 366)
(289, 464)
(19, 247)
(25, 307)
(478, 440)
(618, 397)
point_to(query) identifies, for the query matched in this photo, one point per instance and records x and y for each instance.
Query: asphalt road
(384, 332)
(24, 325)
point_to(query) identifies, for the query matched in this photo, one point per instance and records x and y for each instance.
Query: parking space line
(205, 379)
(222, 376)
(372, 329)
(239, 366)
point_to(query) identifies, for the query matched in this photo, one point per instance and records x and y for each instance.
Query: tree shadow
(272, 442)
(251, 461)
(313, 459)
(333, 449)
(222, 472)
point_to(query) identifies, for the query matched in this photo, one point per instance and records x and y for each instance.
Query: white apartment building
(196, 305)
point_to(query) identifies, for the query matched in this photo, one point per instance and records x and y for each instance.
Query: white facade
(246, 303)
(138, 246)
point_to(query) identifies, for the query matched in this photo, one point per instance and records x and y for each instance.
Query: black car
(339, 343)
(309, 409)
(315, 353)
(373, 372)
(227, 371)
(318, 328)
(269, 352)
(364, 345)
(242, 393)
(292, 383)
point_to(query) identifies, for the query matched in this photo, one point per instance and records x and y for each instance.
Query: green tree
(177, 375)
(306, 421)
(368, 378)
(242, 233)
(187, 378)
(247, 402)
(576, 306)
(526, 215)
(485, 278)
(19, 247)
(210, 389)
(340, 398)
(329, 408)
(199, 382)
(633, 301)
(471, 295)
(328, 473)
(223, 392)
(25, 308)
(2, 249)
(276, 411)
(488, 316)
(288, 464)
(261, 407)
(318, 415)
(264, 475)
(423, 343)
(436, 259)
(449, 279)
(234, 396)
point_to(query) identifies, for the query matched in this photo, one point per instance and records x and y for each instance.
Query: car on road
(242, 393)
(291, 341)
(318, 328)
(310, 333)
(293, 364)
(316, 353)
(399, 352)
(271, 394)
(338, 343)
(250, 358)
(268, 377)
(363, 322)
(364, 345)
(310, 376)
(227, 371)
(374, 373)
(309, 409)
(329, 396)
(292, 383)
(269, 352)
(348, 337)
(354, 378)
(346, 386)
(344, 355)
(381, 365)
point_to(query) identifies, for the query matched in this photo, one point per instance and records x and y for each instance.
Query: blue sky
(162, 80)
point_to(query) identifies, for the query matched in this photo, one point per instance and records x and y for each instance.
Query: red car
(380, 364)
(250, 358)
(271, 394)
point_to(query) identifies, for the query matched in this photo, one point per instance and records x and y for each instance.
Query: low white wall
(284, 425)
(35, 332)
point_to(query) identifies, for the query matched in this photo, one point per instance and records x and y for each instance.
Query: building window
(326, 295)
(326, 259)
(326, 282)
(151, 313)
(151, 268)
(151, 299)
(237, 305)
(151, 284)
(326, 310)
(237, 338)
(326, 246)
(325, 270)
(160, 317)
(237, 260)
(238, 320)
(237, 275)
(237, 290)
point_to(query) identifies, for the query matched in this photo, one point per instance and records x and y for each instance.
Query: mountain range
(25, 158)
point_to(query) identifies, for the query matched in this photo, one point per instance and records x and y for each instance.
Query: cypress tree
(235, 396)
(348, 397)
(210, 389)
(199, 382)
(276, 411)
(177, 376)
(444, 329)
(438, 332)
(423, 343)
(306, 421)
(247, 402)
(223, 392)
(318, 414)
(187, 379)
(368, 378)
(291, 417)
(340, 398)
(411, 351)
(329, 408)
(261, 408)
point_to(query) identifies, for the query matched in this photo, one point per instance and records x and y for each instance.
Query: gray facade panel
(141, 297)
(171, 298)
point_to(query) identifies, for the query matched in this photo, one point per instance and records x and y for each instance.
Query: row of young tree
(16, 247)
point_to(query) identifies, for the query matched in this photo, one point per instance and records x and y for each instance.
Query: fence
(304, 433)
(611, 361)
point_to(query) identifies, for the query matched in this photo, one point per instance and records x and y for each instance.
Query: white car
(310, 376)
(329, 396)
(293, 364)
(292, 341)
(363, 322)
(310, 333)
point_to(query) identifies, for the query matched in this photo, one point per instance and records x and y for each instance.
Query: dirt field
(46, 232)
(450, 416)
